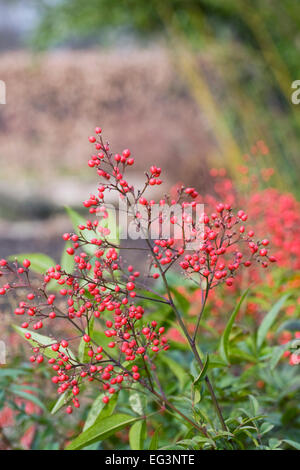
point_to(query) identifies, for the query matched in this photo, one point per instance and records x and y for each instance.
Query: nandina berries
(99, 298)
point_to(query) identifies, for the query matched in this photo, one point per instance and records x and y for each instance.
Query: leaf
(30, 397)
(67, 262)
(154, 441)
(11, 372)
(111, 223)
(255, 404)
(37, 338)
(291, 443)
(203, 372)
(62, 400)
(277, 353)
(83, 347)
(102, 340)
(137, 435)
(77, 220)
(182, 301)
(136, 403)
(99, 410)
(240, 355)
(269, 320)
(40, 263)
(176, 368)
(265, 428)
(101, 430)
(274, 443)
(224, 342)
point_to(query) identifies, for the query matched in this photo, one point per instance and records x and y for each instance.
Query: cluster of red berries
(101, 288)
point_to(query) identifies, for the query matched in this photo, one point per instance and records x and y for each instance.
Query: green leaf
(110, 222)
(83, 347)
(291, 443)
(38, 339)
(255, 404)
(40, 263)
(276, 355)
(203, 372)
(99, 410)
(137, 435)
(154, 441)
(265, 428)
(30, 397)
(182, 301)
(176, 368)
(224, 342)
(67, 262)
(274, 443)
(62, 400)
(101, 430)
(136, 402)
(11, 372)
(269, 320)
(77, 220)
(100, 338)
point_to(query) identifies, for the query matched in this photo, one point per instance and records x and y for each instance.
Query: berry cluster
(102, 291)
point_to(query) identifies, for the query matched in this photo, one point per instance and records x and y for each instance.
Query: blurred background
(187, 85)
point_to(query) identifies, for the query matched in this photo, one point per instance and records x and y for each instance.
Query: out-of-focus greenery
(238, 58)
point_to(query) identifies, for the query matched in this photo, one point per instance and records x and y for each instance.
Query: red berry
(26, 263)
(130, 285)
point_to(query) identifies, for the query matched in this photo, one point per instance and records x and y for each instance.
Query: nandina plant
(96, 302)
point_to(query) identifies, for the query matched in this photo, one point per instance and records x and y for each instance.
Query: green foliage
(39, 262)
(137, 435)
(224, 342)
(269, 320)
(101, 430)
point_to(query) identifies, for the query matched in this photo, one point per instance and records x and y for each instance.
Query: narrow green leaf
(101, 430)
(62, 400)
(269, 320)
(277, 353)
(83, 347)
(136, 402)
(30, 397)
(40, 263)
(291, 443)
(11, 372)
(224, 342)
(77, 220)
(99, 410)
(176, 368)
(154, 441)
(38, 339)
(255, 404)
(67, 262)
(203, 372)
(100, 338)
(137, 435)
(182, 301)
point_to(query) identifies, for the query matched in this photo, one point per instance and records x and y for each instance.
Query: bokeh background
(187, 85)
